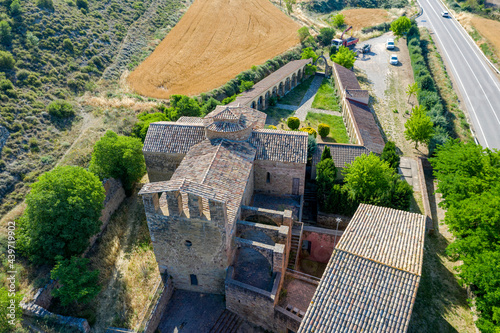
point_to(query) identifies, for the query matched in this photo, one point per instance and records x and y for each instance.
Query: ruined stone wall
(322, 242)
(159, 308)
(285, 320)
(329, 221)
(161, 166)
(281, 177)
(277, 234)
(248, 195)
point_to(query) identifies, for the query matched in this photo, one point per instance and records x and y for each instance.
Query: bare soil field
(213, 42)
(365, 17)
(488, 29)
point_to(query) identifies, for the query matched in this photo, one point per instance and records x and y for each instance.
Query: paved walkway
(409, 170)
(306, 103)
(287, 107)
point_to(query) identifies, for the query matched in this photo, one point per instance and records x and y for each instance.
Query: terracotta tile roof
(278, 145)
(390, 236)
(271, 80)
(222, 165)
(372, 278)
(357, 93)
(234, 118)
(347, 78)
(368, 128)
(173, 137)
(190, 120)
(342, 154)
(186, 186)
(359, 295)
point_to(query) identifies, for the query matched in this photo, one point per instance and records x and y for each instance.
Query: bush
(323, 130)
(140, 128)
(338, 20)
(293, 123)
(303, 33)
(6, 60)
(428, 99)
(246, 85)
(5, 32)
(66, 199)
(325, 36)
(426, 83)
(46, 4)
(68, 45)
(311, 147)
(82, 4)
(310, 131)
(60, 109)
(390, 155)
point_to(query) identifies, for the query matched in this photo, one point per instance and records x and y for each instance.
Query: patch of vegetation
(337, 133)
(326, 97)
(295, 96)
(327, 6)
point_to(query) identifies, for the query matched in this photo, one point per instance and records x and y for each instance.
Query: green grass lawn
(338, 132)
(326, 98)
(275, 115)
(295, 96)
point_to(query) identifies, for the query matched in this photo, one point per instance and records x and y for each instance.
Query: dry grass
(122, 102)
(214, 41)
(483, 31)
(361, 18)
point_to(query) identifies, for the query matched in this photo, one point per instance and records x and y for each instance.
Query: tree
(344, 57)
(303, 33)
(82, 4)
(323, 130)
(118, 157)
(419, 128)
(68, 45)
(31, 39)
(311, 146)
(60, 109)
(412, 90)
(5, 32)
(308, 53)
(326, 35)
(390, 155)
(246, 85)
(10, 310)
(289, 5)
(311, 69)
(338, 20)
(368, 179)
(183, 106)
(140, 128)
(401, 26)
(15, 8)
(7, 61)
(62, 201)
(78, 284)
(46, 4)
(326, 173)
(293, 123)
(326, 154)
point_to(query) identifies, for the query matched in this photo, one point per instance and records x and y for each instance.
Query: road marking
(468, 64)
(463, 87)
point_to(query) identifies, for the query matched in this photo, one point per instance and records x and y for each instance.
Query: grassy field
(326, 98)
(277, 116)
(337, 133)
(214, 41)
(295, 96)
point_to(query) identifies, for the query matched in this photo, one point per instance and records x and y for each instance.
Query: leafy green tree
(293, 123)
(60, 109)
(368, 179)
(390, 155)
(62, 201)
(289, 5)
(209, 106)
(246, 85)
(183, 106)
(344, 57)
(140, 128)
(311, 146)
(82, 4)
(311, 69)
(326, 154)
(118, 157)
(323, 130)
(419, 128)
(303, 33)
(16, 8)
(7, 61)
(78, 284)
(338, 20)
(401, 26)
(31, 39)
(5, 32)
(10, 310)
(326, 173)
(308, 53)
(68, 45)
(412, 90)
(326, 35)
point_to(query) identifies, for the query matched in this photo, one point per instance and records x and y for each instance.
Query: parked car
(394, 59)
(445, 14)
(390, 44)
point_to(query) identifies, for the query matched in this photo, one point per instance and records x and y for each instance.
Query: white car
(394, 59)
(390, 44)
(445, 14)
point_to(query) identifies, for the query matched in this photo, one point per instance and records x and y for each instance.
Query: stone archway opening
(251, 267)
(261, 219)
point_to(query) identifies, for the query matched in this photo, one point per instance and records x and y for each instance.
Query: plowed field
(213, 42)
(365, 17)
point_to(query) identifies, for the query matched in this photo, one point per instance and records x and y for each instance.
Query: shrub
(325, 36)
(428, 99)
(5, 32)
(308, 53)
(323, 130)
(390, 155)
(303, 33)
(246, 85)
(310, 130)
(338, 20)
(426, 83)
(311, 146)
(46, 4)
(82, 4)
(293, 123)
(6, 60)
(140, 128)
(60, 109)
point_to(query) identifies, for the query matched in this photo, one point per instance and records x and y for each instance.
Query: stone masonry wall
(322, 242)
(161, 166)
(281, 177)
(277, 234)
(161, 305)
(330, 221)
(34, 310)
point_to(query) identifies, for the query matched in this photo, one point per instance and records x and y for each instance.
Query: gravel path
(287, 107)
(306, 103)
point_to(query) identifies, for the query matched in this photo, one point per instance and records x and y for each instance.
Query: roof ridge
(212, 162)
(274, 131)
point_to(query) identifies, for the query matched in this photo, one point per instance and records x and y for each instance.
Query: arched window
(268, 178)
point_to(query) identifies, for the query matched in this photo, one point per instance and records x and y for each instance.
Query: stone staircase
(295, 244)
(310, 210)
(228, 322)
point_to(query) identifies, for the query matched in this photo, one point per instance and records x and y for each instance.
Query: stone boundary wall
(34, 310)
(285, 320)
(277, 234)
(278, 217)
(159, 308)
(429, 225)
(303, 277)
(330, 221)
(322, 240)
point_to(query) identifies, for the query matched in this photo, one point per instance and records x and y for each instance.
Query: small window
(268, 178)
(194, 280)
(188, 243)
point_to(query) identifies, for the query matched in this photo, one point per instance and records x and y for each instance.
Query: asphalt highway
(478, 85)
